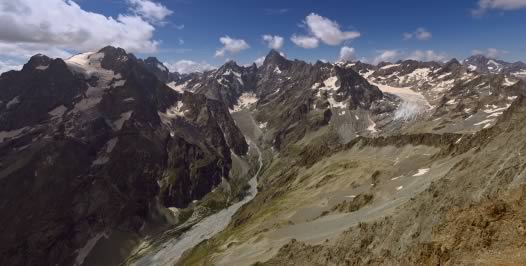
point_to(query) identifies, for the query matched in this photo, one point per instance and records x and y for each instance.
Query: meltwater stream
(170, 251)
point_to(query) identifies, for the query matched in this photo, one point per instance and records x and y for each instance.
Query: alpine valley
(109, 159)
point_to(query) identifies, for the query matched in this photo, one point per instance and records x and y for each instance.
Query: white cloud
(259, 61)
(324, 30)
(490, 52)
(58, 26)
(305, 41)
(506, 5)
(26, 50)
(347, 53)
(328, 31)
(427, 55)
(188, 66)
(154, 12)
(274, 42)
(419, 34)
(9, 65)
(386, 56)
(418, 55)
(231, 46)
(422, 34)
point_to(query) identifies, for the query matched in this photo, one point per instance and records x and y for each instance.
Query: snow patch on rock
(89, 64)
(58, 111)
(178, 88)
(422, 172)
(13, 102)
(123, 118)
(245, 100)
(507, 82)
(83, 253)
(390, 66)
(413, 103)
(11, 134)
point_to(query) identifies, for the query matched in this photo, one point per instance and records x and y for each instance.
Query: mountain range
(106, 159)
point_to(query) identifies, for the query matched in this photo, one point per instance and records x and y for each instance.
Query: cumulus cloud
(347, 53)
(490, 52)
(328, 31)
(427, 55)
(307, 42)
(232, 46)
(324, 30)
(420, 34)
(150, 10)
(506, 5)
(188, 66)
(34, 26)
(386, 56)
(274, 42)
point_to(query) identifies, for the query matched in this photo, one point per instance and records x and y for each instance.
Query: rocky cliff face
(487, 65)
(89, 143)
(162, 73)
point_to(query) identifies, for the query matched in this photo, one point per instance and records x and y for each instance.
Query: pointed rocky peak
(414, 64)
(363, 68)
(156, 67)
(114, 57)
(364, 65)
(452, 62)
(483, 64)
(230, 64)
(113, 51)
(321, 63)
(476, 58)
(275, 58)
(407, 62)
(38, 61)
(253, 67)
(230, 67)
(476, 62)
(154, 62)
(452, 65)
(383, 64)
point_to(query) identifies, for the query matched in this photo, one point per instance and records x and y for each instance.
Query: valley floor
(168, 248)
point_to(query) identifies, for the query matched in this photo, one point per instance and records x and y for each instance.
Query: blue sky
(433, 29)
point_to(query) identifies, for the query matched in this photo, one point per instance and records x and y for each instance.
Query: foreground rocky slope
(97, 144)
(472, 216)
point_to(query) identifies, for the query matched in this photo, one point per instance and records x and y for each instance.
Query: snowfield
(245, 100)
(413, 103)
